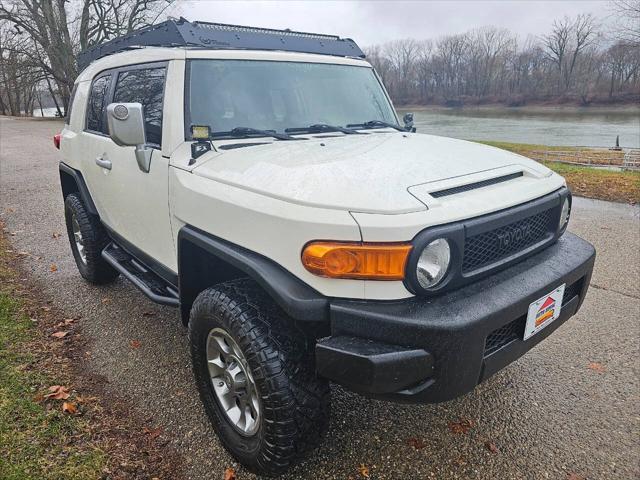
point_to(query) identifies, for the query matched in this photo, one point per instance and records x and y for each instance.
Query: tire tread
(297, 406)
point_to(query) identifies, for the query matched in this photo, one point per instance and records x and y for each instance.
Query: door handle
(103, 163)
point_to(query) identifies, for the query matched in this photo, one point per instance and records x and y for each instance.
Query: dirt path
(548, 414)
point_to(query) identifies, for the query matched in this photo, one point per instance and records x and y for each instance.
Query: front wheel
(256, 377)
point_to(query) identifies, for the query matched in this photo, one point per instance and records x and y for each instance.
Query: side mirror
(408, 122)
(126, 129)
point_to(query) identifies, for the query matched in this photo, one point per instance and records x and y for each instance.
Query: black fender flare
(72, 181)
(295, 297)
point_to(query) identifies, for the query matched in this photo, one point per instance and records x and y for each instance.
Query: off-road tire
(295, 402)
(95, 270)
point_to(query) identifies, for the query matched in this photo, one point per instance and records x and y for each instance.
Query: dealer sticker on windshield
(543, 311)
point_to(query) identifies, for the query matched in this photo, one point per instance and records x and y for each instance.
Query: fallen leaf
(491, 447)
(364, 470)
(23, 254)
(461, 426)
(57, 392)
(86, 399)
(597, 367)
(575, 476)
(106, 300)
(460, 461)
(53, 267)
(69, 407)
(59, 334)
(229, 474)
(152, 432)
(135, 344)
(66, 323)
(55, 235)
(416, 443)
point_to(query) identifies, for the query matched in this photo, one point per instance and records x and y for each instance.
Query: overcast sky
(371, 22)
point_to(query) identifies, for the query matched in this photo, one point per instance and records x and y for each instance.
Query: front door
(133, 204)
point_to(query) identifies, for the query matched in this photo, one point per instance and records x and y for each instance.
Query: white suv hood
(361, 173)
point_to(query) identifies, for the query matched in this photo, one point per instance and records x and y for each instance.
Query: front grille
(571, 291)
(489, 247)
(514, 330)
(504, 335)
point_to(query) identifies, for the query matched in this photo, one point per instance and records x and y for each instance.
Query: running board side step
(154, 287)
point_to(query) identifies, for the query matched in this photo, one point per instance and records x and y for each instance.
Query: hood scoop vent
(472, 186)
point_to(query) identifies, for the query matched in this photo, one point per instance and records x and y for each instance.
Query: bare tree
(627, 21)
(102, 20)
(452, 56)
(402, 55)
(572, 63)
(488, 51)
(19, 74)
(60, 28)
(425, 76)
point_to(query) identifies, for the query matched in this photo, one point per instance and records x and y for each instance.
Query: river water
(554, 127)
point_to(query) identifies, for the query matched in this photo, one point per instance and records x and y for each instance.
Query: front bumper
(424, 350)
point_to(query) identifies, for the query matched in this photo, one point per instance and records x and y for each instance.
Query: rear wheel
(256, 377)
(87, 238)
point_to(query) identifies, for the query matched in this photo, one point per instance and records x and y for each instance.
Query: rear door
(132, 203)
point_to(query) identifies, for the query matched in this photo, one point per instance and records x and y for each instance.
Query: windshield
(267, 95)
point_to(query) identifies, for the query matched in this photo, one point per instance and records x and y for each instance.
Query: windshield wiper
(323, 127)
(240, 132)
(376, 124)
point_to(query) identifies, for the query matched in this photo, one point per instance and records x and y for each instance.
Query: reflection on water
(588, 128)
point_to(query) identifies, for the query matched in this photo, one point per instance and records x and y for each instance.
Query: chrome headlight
(433, 263)
(564, 214)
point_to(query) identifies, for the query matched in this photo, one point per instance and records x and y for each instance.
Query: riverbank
(601, 184)
(533, 108)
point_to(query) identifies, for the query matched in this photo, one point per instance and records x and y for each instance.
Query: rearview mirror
(126, 129)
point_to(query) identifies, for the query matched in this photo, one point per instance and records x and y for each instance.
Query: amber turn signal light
(365, 261)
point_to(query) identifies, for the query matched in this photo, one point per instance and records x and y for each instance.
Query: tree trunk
(53, 96)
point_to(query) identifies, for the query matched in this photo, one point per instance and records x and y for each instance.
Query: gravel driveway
(548, 414)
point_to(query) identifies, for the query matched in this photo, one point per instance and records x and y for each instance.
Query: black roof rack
(182, 33)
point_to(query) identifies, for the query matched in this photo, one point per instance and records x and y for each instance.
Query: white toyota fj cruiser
(259, 181)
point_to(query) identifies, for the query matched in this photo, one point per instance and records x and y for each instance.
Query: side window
(67, 117)
(145, 86)
(95, 109)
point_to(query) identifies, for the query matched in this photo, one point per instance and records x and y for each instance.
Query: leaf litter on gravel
(462, 426)
(57, 392)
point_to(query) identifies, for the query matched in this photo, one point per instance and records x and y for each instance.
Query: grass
(597, 183)
(524, 148)
(602, 184)
(37, 440)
